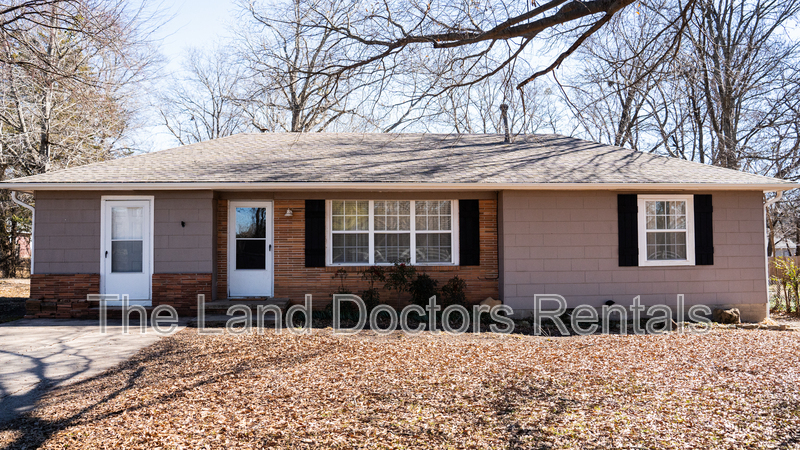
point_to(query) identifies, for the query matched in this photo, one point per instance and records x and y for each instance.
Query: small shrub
(372, 296)
(373, 274)
(342, 290)
(341, 274)
(422, 288)
(399, 278)
(347, 311)
(788, 280)
(453, 292)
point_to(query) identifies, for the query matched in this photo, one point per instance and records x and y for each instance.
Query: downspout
(33, 220)
(773, 200)
(767, 204)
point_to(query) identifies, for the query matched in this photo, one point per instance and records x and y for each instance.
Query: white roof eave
(345, 186)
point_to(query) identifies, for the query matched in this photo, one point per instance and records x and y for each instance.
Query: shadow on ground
(37, 355)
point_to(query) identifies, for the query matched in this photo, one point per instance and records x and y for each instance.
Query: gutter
(33, 219)
(402, 186)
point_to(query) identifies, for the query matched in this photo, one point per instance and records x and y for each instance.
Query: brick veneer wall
(222, 249)
(61, 296)
(180, 290)
(293, 280)
(64, 286)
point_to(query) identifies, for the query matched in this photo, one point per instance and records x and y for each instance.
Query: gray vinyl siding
(67, 234)
(566, 243)
(188, 249)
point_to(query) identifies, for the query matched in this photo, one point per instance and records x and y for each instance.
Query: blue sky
(194, 23)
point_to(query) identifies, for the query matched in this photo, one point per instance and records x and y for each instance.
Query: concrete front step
(220, 320)
(217, 311)
(253, 304)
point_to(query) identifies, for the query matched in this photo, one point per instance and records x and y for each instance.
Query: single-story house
(278, 215)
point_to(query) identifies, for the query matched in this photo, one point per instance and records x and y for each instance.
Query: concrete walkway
(39, 354)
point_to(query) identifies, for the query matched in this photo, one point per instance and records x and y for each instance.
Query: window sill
(666, 263)
(369, 266)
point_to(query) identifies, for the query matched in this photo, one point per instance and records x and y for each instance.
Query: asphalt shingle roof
(398, 158)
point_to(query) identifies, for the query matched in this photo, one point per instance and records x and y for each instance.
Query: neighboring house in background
(260, 215)
(24, 245)
(785, 247)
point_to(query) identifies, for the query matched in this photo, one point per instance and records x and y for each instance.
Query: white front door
(127, 248)
(250, 249)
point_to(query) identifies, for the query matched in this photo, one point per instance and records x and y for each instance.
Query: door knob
(106, 253)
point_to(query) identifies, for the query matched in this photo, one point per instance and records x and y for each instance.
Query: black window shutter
(469, 233)
(627, 210)
(315, 233)
(703, 231)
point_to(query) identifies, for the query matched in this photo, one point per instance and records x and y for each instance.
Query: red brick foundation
(293, 280)
(180, 290)
(61, 296)
(64, 296)
(59, 309)
(64, 287)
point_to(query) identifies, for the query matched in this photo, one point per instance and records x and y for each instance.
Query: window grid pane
(433, 215)
(434, 247)
(351, 248)
(392, 215)
(350, 215)
(389, 234)
(392, 247)
(666, 246)
(666, 215)
(665, 224)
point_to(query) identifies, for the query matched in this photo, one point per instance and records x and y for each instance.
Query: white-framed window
(666, 230)
(374, 232)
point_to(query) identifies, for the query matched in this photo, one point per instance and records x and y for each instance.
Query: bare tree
(204, 103)
(67, 97)
(614, 95)
(724, 97)
(477, 108)
(739, 63)
(490, 33)
(285, 50)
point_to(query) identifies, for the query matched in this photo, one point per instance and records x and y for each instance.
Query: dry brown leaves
(729, 389)
(15, 287)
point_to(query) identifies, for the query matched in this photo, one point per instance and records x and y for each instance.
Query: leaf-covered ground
(729, 389)
(15, 287)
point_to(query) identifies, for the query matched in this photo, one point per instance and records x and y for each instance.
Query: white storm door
(127, 248)
(250, 249)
